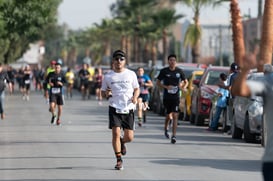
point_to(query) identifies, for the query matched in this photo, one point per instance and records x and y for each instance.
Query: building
(216, 40)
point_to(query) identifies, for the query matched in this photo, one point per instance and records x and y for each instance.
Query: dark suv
(203, 93)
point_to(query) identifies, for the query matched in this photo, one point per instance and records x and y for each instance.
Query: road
(80, 149)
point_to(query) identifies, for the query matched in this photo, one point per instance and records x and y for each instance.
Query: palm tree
(105, 31)
(122, 27)
(237, 30)
(164, 18)
(134, 11)
(267, 36)
(238, 33)
(193, 34)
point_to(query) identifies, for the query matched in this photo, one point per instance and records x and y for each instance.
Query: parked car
(203, 92)
(263, 133)
(247, 115)
(185, 98)
(157, 93)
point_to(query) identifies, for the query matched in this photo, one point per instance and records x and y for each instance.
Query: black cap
(118, 53)
(234, 67)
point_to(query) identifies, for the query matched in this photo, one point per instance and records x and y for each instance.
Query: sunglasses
(119, 58)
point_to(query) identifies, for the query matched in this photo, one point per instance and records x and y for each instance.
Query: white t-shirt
(122, 85)
(264, 88)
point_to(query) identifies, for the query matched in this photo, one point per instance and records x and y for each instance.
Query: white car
(247, 115)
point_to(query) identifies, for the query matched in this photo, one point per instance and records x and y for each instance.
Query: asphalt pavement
(80, 149)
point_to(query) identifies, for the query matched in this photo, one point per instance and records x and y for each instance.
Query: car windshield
(212, 77)
(188, 71)
(197, 77)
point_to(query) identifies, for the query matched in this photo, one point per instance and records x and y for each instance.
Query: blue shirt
(222, 100)
(141, 81)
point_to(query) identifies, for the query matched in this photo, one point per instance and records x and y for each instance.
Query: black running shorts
(57, 98)
(125, 121)
(171, 105)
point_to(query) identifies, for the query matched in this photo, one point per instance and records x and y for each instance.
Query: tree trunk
(237, 29)
(146, 52)
(165, 49)
(154, 50)
(135, 52)
(195, 53)
(196, 48)
(72, 57)
(123, 43)
(128, 49)
(107, 48)
(267, 36)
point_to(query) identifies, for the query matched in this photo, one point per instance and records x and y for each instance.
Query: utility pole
(220, 46)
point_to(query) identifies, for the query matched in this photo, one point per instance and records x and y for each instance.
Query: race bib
(122, 111)
(27, 81)
(173, 90)
(55, 90)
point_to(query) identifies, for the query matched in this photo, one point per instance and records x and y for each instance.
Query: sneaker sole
(119, 168)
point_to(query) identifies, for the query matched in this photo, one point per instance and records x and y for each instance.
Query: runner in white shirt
(121, 88)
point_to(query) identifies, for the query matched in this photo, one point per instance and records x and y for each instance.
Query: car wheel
(248, 136)
(236, 133)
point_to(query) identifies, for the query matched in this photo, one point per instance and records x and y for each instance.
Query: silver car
(247, 115)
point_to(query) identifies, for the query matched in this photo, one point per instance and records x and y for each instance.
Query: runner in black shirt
(84, 76)
(56, 80)
(172, 79)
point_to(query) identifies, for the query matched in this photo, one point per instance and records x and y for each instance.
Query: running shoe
(139, 124)
(173, 141)
(145, 107)
(53, 119)
(123, 147)
(167, 134)
(119, 165)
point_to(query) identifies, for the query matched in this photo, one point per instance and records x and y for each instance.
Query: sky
(80, 14)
